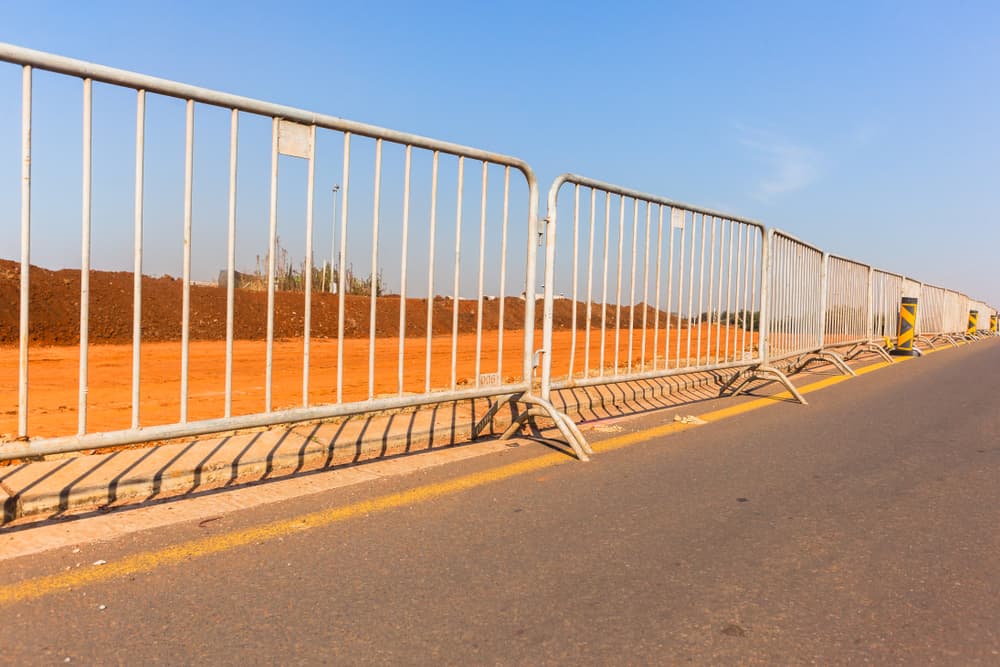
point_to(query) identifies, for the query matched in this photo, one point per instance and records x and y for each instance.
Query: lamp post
(333, 236)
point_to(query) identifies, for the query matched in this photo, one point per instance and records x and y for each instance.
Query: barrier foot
(542, 408)
(926, 340)
(769, 372)
(837, 361)
(881, 351)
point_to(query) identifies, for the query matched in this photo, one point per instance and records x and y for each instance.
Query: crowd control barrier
(430, 294)
(297, 134)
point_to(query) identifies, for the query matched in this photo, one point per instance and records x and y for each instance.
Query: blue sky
(869, 129)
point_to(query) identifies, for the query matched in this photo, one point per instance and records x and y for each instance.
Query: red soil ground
(54, 352)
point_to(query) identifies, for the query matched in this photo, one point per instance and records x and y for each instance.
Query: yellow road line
(143, 562)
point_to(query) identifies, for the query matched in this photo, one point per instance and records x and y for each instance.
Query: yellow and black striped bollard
(993, 324)
(973, 323)
(907, 324)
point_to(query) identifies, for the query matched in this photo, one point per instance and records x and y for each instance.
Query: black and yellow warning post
(973, 323)
(907, 324)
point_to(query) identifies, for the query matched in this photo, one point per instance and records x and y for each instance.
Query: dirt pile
(55, 311)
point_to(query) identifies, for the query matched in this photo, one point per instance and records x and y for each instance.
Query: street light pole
(333, 235)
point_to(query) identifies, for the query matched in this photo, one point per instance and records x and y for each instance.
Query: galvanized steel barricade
(294, 132)
(848, 308)
(957, 313)
(936, 311)
(887, 294)
(984, 312)
(656, 287)
(799, 302)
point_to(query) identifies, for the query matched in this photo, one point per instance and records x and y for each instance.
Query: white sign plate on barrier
(677, 218)
(294, 139)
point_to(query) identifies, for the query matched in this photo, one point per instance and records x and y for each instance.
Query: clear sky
(868, 128)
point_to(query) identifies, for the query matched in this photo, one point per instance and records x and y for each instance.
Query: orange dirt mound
(55, 311)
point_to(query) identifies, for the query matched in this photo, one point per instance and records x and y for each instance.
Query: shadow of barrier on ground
(71, 485)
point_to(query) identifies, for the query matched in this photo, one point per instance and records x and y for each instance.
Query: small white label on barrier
(294, 139)
(489, 379)
(677, 218)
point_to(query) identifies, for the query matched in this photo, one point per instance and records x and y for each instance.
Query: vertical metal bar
(85, 254)
(272, 248)
(576, 270)
(234, 128)
(670, 293)
(401, 363)
(631, 288)
(824, 278)
(482, 271)
(659, 258)
(342, 263)
(307, 324)
(718, 296)
(831, 316)
(645, 287)
(690, 308)
(701, 285)
(736, 300)
(430, 274)
(680, 286)
(711, 292)
(186, 300)
(733, 230)
(748, 296)
(766, 274)
(618, 284)
(549, 230)
(23, 333)
(803, 291)
(590, 283)
(140, 150)
(373, 300)
(458, 264)
(753, 291)
(503, 270)
(604, 288)
(535, 233)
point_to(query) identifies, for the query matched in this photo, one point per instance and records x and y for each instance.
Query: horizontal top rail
(848, 259)
(790, 237)
(63, 65)
(576, 179)
(897, 275)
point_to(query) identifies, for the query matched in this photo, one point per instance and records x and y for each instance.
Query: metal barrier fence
(957, 312)
(984, 312)
(293, 132)
(655, 287)
(887, 292)
(939, 315)
(795, 316)
(847, 302)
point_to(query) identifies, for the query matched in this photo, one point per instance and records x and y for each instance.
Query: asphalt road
(862, 528)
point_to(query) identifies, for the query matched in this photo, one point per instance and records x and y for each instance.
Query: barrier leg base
(569, 431)
(837, 361)
(880, 351)
(768, 373)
